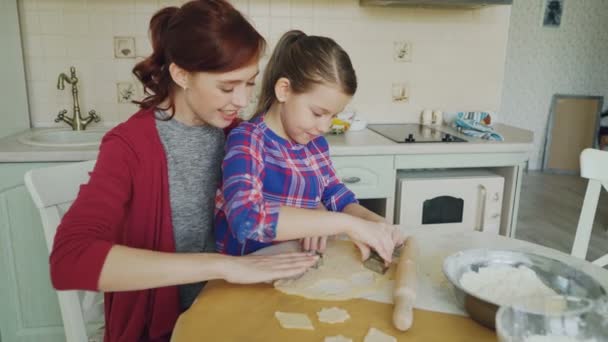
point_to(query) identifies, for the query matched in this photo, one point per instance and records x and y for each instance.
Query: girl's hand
(314, 244)
(379, 236)
(250, 269)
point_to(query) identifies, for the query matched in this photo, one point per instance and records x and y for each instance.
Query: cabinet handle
(351, 180)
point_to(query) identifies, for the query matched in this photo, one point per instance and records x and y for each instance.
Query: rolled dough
(341, 276)
(333, 315)
(292, 320)
(375, 335)
(338, 338)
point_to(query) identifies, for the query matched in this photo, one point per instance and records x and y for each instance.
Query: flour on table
(333, 315)
(341, 276)
(290, 320)
(338, 338)
(375, 335)
(503, 284)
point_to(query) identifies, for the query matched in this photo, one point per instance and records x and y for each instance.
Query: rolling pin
(404, 295)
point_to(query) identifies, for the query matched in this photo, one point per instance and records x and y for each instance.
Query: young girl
(278, 180)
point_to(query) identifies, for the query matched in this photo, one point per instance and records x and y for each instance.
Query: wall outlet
(126, 92)
(399, 92)
(402, 51)
(124, 47)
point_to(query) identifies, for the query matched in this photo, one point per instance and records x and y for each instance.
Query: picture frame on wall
(552, 12)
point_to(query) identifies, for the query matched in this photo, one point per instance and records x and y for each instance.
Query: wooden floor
(549, 211)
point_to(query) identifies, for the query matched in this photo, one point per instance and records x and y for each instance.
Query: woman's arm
(128, 269)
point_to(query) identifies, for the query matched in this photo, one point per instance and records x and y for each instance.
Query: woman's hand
(314, 244)
(379, 236)
(250, 269)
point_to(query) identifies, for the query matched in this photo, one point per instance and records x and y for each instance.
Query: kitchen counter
(365, 142)
(13, 151)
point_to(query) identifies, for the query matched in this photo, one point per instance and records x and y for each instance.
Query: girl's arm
(356, 209)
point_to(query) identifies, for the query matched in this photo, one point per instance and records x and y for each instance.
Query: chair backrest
(53, 189)
(594, 166)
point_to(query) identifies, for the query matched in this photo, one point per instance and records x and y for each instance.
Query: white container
(437, 117)
(426, 118)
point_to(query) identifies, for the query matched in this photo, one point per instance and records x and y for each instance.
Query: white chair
(53, 189)
(594, 166)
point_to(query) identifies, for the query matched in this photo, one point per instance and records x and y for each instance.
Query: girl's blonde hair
(305, 61)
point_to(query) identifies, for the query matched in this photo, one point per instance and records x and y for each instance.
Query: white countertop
(363, 142)
(367, 142)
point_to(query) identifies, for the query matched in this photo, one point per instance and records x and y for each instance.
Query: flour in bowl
(503, 284)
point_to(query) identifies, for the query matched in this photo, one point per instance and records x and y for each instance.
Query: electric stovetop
(413, 133)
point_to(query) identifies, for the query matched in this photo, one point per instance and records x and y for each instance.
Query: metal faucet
(77, 122)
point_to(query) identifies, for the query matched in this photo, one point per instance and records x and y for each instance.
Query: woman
(151, 193)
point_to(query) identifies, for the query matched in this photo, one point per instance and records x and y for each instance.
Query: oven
(464, 199)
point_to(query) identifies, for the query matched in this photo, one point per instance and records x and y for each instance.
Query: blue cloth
(471, 124)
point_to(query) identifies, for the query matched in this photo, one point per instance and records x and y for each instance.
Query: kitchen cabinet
(29, 311)
(371, 179)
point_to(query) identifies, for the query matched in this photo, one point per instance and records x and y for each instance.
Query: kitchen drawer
(367, 176)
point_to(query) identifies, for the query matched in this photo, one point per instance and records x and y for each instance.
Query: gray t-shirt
(194, 158)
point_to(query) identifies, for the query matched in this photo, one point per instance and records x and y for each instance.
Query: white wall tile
(280, 8)
(301, 8)
(146, 6)
(30, 22)
(123, 24)
(458, 56)
(100, 23)
(54, 46)
(75, 5)
(76, 23)
(259, 8)
(52, 22)
(32, 46)
(35, 69)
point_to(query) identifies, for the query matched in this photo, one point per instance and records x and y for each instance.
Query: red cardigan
(126, 202)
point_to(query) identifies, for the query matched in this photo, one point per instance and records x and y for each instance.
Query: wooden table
(227, 312)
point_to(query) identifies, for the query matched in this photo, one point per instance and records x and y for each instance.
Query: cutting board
(228, 312)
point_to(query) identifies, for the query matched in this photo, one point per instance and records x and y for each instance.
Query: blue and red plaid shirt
(261, 173)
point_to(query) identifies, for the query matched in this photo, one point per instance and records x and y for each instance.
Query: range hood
(435, 3)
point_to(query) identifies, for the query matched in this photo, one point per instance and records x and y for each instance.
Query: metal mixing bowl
(562, 278)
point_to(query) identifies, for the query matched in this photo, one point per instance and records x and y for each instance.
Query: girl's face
(214, 98)
(306, 116)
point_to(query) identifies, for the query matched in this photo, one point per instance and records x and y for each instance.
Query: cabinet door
(29, 309)
(367, 176)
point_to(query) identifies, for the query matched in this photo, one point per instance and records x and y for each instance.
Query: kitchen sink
(61, 137)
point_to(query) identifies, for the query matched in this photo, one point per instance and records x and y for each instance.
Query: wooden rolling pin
(404, 295)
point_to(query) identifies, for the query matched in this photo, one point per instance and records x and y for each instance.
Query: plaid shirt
(261, 173)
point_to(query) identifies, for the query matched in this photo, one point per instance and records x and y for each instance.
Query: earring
(185, 88)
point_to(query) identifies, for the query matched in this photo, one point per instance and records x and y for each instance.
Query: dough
(290, 320)
(341, 276)
(333, 315)
(503, 284)
(375, 335)
(338, 338)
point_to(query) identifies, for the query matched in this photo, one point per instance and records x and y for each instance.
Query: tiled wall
(457, 61)
(542, 61)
